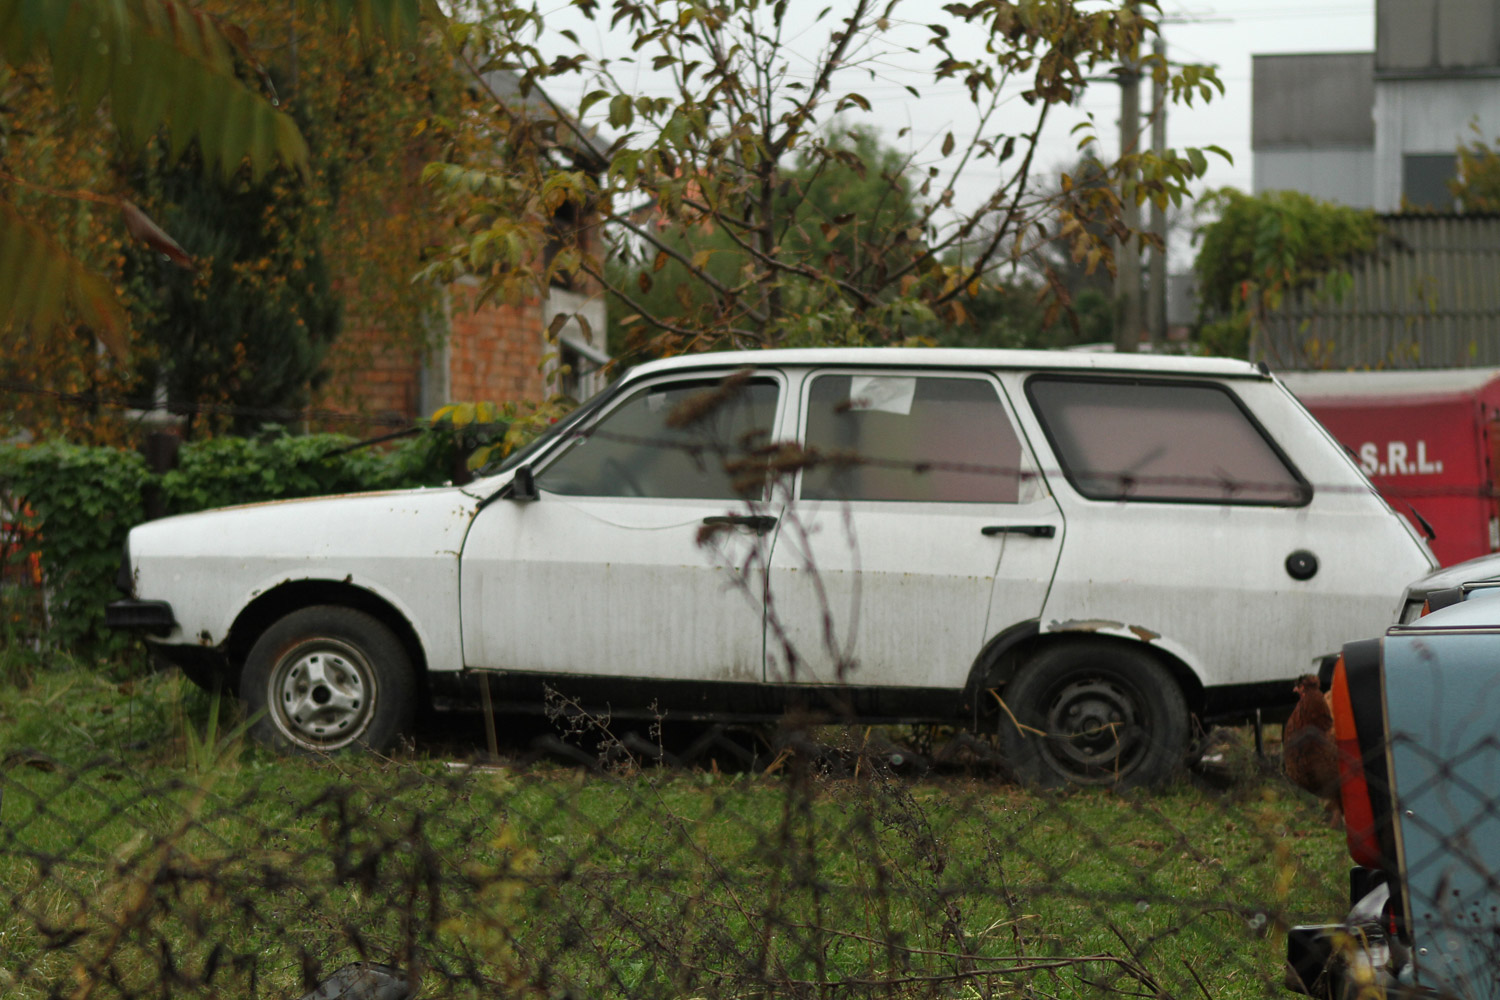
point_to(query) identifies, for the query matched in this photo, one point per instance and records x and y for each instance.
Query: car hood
(429, 521)
(1478, 568)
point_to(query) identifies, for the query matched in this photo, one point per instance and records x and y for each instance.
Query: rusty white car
(1079, 552)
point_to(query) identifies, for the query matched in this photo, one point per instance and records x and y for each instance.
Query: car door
(920, 528)
(1192, 527)
(644, 554)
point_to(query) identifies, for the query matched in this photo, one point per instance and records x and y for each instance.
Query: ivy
(74, 505)
(1477, 186)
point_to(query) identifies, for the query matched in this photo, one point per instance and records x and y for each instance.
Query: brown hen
(1309, 754)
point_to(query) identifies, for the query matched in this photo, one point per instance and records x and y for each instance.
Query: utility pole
(1128, 251)
(1156, 289)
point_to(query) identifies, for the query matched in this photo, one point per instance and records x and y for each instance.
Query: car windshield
(521, 455)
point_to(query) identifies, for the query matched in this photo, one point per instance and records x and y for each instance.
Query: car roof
(957, 357)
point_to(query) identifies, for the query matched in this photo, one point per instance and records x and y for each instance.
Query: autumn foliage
(355, 100)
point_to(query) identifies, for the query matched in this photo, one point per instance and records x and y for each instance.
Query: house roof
(580, 140)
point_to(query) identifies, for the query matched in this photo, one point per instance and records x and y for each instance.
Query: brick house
(493, 353)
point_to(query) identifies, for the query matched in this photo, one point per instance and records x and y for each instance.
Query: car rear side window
(1120, 439)
(912, 438)
(672, 440)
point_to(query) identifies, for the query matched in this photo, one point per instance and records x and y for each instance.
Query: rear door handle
(1034, 530)
(759, 523)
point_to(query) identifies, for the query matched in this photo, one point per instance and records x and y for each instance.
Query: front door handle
(1034, 530)
(759, 523)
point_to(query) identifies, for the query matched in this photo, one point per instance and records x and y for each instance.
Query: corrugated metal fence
(1428, 297)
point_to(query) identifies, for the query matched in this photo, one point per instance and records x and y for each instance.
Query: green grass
(125, 871)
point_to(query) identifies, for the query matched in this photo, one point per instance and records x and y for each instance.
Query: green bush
(1267, 245)
(74, 504)
(224, 471)
(1226, 338)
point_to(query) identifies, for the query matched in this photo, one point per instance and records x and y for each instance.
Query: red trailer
(1428, 440)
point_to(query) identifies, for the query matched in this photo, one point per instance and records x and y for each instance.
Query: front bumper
(1356, 958)
(1336, 961)
(154, 617)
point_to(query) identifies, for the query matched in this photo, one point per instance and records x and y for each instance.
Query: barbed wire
(788, 457)
(791, 862)
(784, 457)
(125, 404)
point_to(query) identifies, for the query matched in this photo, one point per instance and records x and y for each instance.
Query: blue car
(1417, 720)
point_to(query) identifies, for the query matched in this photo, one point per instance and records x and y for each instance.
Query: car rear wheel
(1094, 713)
(325, 678)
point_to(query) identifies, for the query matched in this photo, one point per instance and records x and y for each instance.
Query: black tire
(1094, 713)
(326, 678)
(207, 678)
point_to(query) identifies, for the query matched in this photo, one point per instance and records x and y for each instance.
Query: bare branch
(830, 62)
(692, 335)
(698, 272)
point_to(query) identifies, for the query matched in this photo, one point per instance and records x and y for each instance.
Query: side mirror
(523, 485)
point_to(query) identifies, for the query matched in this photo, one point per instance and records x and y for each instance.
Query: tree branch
(661, 324)
(677, 255)
(831, 61)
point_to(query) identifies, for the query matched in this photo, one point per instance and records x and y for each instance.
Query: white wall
(1346, 176)
(1427, 116)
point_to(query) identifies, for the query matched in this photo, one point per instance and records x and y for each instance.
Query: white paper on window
(882, 393)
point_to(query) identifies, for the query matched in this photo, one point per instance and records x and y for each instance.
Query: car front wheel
(325, 678)
(1094, 713)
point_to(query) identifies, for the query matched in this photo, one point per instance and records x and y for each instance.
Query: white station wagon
(1081, 552)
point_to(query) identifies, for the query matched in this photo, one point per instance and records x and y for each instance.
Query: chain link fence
(828, 862)
(660, 859)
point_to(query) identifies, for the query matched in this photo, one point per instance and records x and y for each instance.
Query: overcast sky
(1224, 33)
(1227, 33)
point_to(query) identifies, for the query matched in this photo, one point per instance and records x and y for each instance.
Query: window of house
(569, 368)
(676, 439)
(1142, 440)
(562, 232)
(912, 437)
(1425, 178)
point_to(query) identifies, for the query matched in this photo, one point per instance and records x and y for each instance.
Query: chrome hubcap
(323, 695)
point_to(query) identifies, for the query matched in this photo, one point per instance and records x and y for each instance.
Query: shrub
(75, 504)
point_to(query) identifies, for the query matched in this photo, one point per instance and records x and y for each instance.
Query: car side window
(1124, 439)
(670, 440)
(912, 438)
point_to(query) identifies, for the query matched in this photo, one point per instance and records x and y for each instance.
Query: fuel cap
(1301, 565)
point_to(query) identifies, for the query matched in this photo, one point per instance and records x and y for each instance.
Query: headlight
(125, 578)
(1412, 609)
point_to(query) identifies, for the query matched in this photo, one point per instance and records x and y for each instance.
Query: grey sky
(1222, 32)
